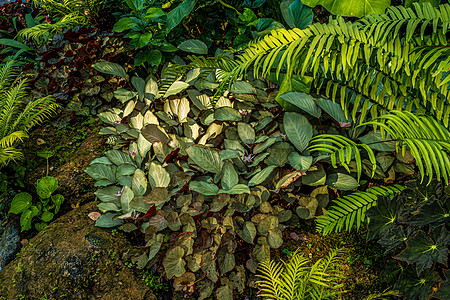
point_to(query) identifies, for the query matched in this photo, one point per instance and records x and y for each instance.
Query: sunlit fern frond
(9, 154)
(342, 150)
(10, 105)
(269, 279)
(291, 277)
(348, 212)
(298, 279)
(427, 139)
(11, 139)
(36, 112)
(40, 32)
(8, 74)
(328, 273)
(7, 150)
(16, 116)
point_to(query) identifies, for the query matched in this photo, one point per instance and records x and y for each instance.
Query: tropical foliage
(299, 279)
(17, 116)
(65, 15)
(22, 204)
(285, 117)
(416, 219)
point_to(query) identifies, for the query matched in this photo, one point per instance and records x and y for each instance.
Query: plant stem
(229, 6)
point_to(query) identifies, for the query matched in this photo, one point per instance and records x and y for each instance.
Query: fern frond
(291, 279)
(36, 112)
(9, 153)
(349, 211)
(385, 295)
(299, 280)
(427, 139)
(329, 272)
(342, 149)
(11, 139)
(38, 33)
(268, 284)
(11, 100)
(15, 116)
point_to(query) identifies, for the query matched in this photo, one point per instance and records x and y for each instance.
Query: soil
(74, 147)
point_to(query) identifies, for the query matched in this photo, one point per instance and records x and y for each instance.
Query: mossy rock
(73, 259)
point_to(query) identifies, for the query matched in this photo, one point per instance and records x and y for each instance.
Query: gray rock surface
(9, 242)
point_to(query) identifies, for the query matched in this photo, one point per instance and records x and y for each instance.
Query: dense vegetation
(230, 122)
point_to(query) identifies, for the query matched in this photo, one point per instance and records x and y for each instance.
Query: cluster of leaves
(298, 279)
(412, 227)
(148, 26)
(64, 15)
(22, 204)
(16, 16)
(208, 175)
(64, 69)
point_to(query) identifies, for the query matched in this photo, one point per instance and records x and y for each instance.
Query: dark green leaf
(20, 203)
(423, 249)
(298, 130)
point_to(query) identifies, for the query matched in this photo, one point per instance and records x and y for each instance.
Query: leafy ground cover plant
(47, 207)
(299, 279)
(208, 176)
(63, 69)
(416, 218)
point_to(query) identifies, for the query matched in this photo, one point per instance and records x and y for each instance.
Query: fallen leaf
(94, 215)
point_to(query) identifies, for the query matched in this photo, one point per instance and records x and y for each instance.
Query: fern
(297, 279)
(349, 211)
(342, 148)
(427, 139)
(371, 66)
(16, 117)
(71, 13)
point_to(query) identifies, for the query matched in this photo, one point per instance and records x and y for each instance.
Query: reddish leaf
(150, 213)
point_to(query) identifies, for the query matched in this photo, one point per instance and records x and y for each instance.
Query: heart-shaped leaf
(46, 186)
(20, 203)
(208, 266)
(173, 262)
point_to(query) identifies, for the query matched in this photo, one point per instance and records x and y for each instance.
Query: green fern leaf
(348, 212)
